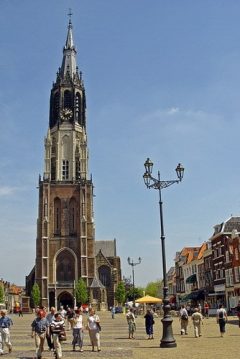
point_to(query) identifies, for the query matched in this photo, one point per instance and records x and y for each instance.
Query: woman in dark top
(149, 324)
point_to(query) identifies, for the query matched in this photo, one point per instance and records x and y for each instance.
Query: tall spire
(69, 53)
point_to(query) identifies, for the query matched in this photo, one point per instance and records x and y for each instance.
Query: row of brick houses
(210, 272)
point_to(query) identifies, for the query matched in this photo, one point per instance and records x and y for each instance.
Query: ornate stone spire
(69, 67)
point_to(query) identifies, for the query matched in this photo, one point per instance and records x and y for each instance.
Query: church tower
(65, 247)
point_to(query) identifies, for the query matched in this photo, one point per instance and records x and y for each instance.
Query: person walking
(206, 310)
(221, 319)
(63, 312)
(57, 328)
(39, 329)
(113, 310)
(94, 329)
(50, 317)
(78, 330)
(149, 321)
(183, 316)
(5, 324)
(69, 315)
(131, 323)
(197, 322)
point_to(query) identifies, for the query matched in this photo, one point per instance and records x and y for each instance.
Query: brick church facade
(65, 244)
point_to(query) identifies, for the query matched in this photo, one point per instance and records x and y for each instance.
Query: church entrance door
(66, 299)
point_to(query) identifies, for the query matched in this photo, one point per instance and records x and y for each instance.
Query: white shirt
(222, 310)
(92, 322)
(78, 322)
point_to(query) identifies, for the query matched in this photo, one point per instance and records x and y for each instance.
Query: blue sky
(162, 81)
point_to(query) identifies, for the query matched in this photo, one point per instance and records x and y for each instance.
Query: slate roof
(108, 248)
(96, 283)
(228, 226)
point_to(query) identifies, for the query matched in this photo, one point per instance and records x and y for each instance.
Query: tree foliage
(120, 293)
(35, 294)
(155, 289)
(134, 294)
(1, 294)
(81, 292)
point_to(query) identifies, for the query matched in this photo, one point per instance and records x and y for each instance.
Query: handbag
(62, 336)
(99, 326)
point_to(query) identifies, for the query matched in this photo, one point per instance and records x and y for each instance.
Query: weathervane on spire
(70, 16)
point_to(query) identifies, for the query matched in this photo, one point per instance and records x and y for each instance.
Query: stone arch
(65, 261)
(65, 299)
(104, 273)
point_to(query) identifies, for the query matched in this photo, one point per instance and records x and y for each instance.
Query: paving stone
(115, 342)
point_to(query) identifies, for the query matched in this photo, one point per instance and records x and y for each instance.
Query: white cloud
(7, 191)
(183, 120)
(172, 110)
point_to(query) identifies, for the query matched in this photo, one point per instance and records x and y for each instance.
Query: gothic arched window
(65, 155)
(53, 168)
(105, 275)
(57, 216)
(55, 106)
(67, 99)
(65, 265)
(72, 216)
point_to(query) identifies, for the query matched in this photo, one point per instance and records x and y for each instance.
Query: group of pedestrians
(197, 320)
(51, 327)
(131, 321)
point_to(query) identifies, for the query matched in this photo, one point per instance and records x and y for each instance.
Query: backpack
(220, 314)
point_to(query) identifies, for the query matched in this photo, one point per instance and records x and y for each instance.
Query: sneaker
(81, 350)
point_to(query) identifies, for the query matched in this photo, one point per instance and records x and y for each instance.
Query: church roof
(108, 248)
(69, 55)
(96, 283)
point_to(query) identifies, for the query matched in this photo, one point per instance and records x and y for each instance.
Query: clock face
(66, 114)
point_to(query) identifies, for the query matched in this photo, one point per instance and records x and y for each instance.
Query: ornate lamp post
(167, 340)
(133, 264)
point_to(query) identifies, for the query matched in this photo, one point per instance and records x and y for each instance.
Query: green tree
(155, 289)
(120, 293)
(1, 294)
(35, 294)
(134, 294)
(81, 292)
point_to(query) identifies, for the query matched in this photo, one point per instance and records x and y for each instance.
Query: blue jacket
(40, 325)
(5, 322)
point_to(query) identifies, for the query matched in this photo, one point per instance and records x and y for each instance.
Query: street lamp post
(133, 264)
(167, 340)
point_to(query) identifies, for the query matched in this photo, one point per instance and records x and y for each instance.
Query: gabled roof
(14, 289)
(202, 249)
(108, 248)
(96, 283)
(190, 253)
(100, 254)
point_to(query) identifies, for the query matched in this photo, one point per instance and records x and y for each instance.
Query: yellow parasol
(148, 299)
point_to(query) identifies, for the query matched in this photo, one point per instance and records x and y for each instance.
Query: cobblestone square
(115, 342)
